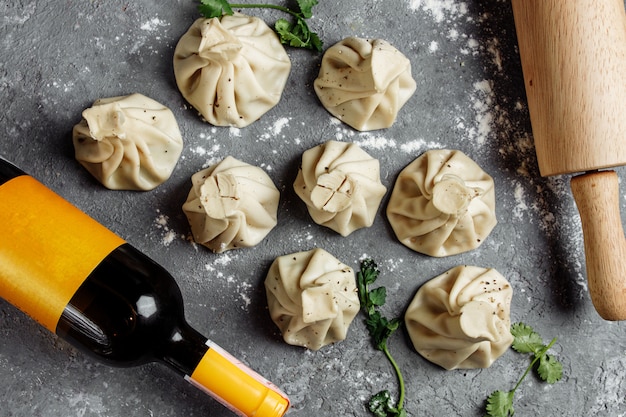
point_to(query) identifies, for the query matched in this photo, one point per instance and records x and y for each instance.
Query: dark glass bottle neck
(184, 350)
(129, 311)
(8, 171)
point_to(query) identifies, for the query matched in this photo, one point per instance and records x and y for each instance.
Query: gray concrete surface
(57, 57)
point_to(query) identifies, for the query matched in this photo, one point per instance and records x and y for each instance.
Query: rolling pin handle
(597, 198)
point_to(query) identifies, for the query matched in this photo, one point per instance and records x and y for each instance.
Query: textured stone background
(56, 58)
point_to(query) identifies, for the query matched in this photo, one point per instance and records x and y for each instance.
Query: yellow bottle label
(236, 386)
(48, 248)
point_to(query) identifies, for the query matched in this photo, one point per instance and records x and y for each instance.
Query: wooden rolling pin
(573, 55)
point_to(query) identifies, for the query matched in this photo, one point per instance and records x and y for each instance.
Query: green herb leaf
(500, 404)
(381, 405)
(297, 34)
(526, 340)
(306, 7)
(292, 34)
(549, 369)
(380, 329)
(369, 272)
(214, 8)
(378, 296)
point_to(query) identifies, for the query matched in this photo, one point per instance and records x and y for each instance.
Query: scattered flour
(454, 14)
(341, 131)
(83, 404)
(234, 132)
(453, 34)
(493, 48)
(419, 146)
(199, 150)
(304, 237)
(482, 101)
(168, 234)
(389, 264)
(375, 141)
(64, 86)
(154, 24)
(520, 200)
(223, 259)
(27, 11)
(210, 151)
(244, 289)
(472, 47)
(150, 30)
(217, 268)
(275, 130)
(279, 125)
(266, 167)
(441, 10)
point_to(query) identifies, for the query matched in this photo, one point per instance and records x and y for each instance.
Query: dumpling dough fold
(231, 205)
(312, 298)
(340, 184)
(128, 142)
(461, 319)
(442, 204)
(364, 83)
(232, 70)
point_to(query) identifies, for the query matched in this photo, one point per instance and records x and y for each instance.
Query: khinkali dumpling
(232, 70)
(128, 142)
(231, 205)
(461, 319)
(442, 204)
(312, 298)
(364, 82)
(340, 184)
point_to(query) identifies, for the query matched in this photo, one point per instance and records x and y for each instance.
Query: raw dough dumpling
(232, 70)
(442, 204)
(231, 205)
(340, 184)
(364, 82)
(312, 298)
(128, 142)
(461, 319)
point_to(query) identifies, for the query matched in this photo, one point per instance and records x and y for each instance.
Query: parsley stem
(399, 374)
(265, 6)
(532, 364)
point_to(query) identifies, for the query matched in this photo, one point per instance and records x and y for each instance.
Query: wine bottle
(90, 287)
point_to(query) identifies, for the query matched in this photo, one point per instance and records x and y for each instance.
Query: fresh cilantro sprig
(380, 328)
(297, 33)
(526, 340)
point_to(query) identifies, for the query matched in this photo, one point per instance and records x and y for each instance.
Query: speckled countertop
(56, 58)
